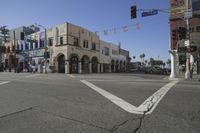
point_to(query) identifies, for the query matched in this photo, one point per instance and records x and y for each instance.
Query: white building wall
(104, 58)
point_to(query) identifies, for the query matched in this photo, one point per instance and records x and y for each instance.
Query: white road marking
(72, 76)
(4, 82)
(151, 102)
(146, 107)
(121, 80)
(116, 100)
(34, 75)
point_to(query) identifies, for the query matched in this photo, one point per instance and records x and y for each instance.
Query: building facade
(105, 56)
(179, 35)
(73, 49)
(12, 59)
(66, 48)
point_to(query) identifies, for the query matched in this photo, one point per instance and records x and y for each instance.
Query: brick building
(178, 30)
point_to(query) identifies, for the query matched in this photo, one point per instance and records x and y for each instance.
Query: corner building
(73, 49)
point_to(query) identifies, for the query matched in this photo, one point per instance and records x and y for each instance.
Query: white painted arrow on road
(4, 82)
(146, 107)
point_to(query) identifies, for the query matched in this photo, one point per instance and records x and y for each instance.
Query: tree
(156, 62)
(142, 56)
(4, 33)
(152, 62)
(134, 58)
(168, 62)
(164, 64)
(146, 62)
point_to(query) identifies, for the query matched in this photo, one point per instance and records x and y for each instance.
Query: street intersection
(98, 103)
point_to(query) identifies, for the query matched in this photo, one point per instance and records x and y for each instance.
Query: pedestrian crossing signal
(192, 49)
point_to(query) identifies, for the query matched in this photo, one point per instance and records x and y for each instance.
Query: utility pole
(187, 73)
(14, 46)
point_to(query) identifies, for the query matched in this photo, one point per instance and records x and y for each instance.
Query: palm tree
(146, 62)
(168, 62)
(152, 61)
(142, 56)
(134, 58)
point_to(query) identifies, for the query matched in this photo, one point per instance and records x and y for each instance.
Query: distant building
(105, 56)
(22, 31)
(12, 60)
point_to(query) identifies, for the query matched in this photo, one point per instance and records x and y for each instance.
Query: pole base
(187, 75)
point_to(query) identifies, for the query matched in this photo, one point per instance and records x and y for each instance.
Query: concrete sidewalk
(195, 78)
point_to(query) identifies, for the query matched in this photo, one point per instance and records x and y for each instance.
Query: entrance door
(85, 64)
(61, 64)
(73, 64)
(94, 65)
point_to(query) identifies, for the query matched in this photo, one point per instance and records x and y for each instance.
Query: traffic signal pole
(188, 14)
(187, 73)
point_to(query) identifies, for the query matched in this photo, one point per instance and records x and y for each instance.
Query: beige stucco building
(73, 49)
(112, 57)
(67, 48)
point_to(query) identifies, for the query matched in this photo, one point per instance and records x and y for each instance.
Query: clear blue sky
(152, 39)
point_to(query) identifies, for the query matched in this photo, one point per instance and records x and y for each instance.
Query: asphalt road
(98, 103)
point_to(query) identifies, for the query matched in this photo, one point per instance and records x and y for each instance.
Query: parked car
(157, 70)
(166, 71)
(1, 67)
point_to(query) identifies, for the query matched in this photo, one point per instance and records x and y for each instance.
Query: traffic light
(2, 49)
(192, 49)
(133, 12)
(182, 33)
(174, 34)
(182, 49)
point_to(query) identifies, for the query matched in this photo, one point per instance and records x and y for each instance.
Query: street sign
(188, 14)
(187, 43)
(182, 49)
(150, 13)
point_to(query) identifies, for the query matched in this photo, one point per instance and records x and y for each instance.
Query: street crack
(17, 112)
(71, 119)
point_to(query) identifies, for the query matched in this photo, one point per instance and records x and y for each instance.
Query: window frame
(61, 40)
(94, 46)
(76, 41)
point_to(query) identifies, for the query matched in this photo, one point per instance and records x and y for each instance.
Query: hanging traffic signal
(133, 12)
(2, 49)
(192, 49)
(174, 34)
(182, 49)
(182, 33)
